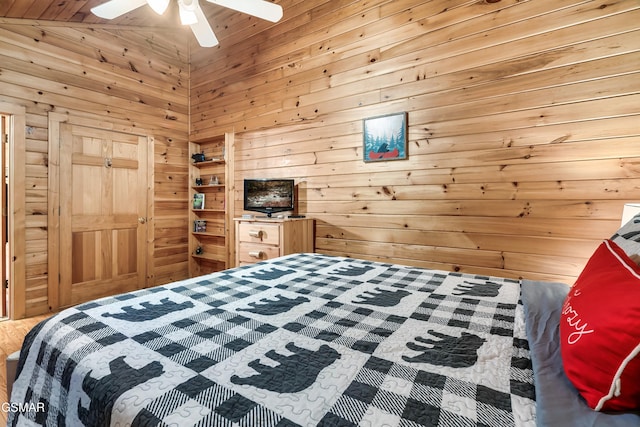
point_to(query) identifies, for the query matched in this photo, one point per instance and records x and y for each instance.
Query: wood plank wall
(128, 79)
(524, 125)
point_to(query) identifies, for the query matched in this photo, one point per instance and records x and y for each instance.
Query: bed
(305, 340)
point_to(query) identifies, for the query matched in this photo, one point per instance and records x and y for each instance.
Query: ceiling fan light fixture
(188, 11)
(191, 13)
(159, 6)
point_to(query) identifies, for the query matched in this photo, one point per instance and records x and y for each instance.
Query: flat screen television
(269, 196)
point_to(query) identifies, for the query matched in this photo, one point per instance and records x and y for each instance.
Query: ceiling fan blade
(259, 8)
(202, 30)
(114, 8)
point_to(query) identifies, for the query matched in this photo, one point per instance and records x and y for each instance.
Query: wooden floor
(12, 334)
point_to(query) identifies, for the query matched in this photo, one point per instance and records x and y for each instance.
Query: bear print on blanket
(470, 289)
(293, 373)
(382, 297)
(149, 311)
(280, 305)
(105, 391)
(456, 352)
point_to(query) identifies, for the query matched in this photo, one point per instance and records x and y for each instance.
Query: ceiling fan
(191, 14)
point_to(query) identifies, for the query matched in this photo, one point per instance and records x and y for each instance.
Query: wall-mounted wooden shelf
(208, 163)
(197, 187)
(208, 210)
(209, 258)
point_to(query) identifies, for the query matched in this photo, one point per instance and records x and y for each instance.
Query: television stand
(262, 238)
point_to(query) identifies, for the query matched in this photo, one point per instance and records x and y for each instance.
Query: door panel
(103, 213)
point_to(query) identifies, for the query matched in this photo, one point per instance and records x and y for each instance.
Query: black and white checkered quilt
(302, 340)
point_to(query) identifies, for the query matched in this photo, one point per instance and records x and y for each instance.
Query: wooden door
(4, 135)
(103, 213)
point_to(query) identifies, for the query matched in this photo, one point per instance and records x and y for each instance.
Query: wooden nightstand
(259, 239)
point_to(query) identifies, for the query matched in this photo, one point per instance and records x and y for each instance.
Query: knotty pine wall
(129, 79)
(524, 125)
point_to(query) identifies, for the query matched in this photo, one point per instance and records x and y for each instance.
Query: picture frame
(384, 138)
(200, 226)
(198, 201)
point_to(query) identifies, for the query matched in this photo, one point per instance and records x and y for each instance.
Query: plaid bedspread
(302, 340)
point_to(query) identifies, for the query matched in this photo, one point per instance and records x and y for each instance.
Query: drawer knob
(256, 254)
(256, 233)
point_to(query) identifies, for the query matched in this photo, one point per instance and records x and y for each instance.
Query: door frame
(16, 209)
(53, 235)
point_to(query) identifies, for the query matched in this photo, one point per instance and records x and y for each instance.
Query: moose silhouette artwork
(470, 289)
(293, 373)
(271, 308)
(105, 391)
(455, 352)
(149, 311)
(382, 297)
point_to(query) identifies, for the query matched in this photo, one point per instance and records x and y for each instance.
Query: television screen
(269, 195)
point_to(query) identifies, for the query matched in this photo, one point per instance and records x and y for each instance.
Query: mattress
(302, 340)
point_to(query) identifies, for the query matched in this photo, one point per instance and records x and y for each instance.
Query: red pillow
(600, 331)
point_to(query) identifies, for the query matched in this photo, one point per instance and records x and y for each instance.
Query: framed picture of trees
(385, 137)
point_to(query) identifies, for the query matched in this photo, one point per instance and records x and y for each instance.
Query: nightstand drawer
(249, 252)
(259, 233)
